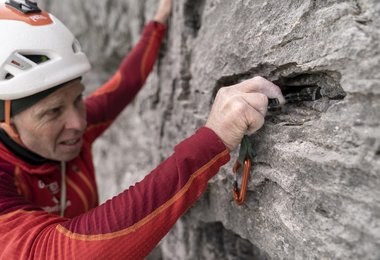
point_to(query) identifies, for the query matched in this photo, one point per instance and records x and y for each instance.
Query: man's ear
(13, 124)
(12, 131)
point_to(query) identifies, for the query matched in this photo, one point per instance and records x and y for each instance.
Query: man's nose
(76, 119)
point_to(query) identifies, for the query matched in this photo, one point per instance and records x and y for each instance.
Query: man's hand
(240, 109)
(163, 11)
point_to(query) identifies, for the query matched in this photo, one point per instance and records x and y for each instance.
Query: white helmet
(37, 51)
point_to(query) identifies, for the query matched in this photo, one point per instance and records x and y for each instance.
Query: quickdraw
(245, 159)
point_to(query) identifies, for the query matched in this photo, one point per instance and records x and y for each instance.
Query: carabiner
(239, 194)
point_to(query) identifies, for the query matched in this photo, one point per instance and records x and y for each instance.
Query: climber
(48, 197)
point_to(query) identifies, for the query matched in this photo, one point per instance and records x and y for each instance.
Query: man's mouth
(71, 142)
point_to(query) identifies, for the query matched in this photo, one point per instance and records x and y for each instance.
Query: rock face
(314, 191)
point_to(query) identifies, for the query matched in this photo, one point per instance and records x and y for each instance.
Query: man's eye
(54, 111)
(79, 99)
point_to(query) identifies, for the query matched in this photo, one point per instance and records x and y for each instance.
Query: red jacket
(131, 224)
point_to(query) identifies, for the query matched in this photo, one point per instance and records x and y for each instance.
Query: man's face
(53, 127)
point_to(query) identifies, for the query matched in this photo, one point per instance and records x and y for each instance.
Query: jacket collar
(15, 154)
(21, 151)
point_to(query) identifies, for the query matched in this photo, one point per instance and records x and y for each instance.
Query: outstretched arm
(106, 103)
(127, 227)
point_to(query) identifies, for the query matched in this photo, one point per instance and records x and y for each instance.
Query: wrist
(220, 136)
(160, 18)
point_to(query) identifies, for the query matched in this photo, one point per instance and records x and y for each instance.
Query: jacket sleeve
(128, 226)
(106, 103)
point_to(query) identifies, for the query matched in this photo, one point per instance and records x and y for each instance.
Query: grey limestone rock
(314, 191)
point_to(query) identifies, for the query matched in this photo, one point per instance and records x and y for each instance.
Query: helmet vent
(38, 59)
(8, 76)
(76, 46)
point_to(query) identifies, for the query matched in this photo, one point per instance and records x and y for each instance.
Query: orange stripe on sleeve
(110, 86)
(143, 70)
(151, 216)
(13, 213)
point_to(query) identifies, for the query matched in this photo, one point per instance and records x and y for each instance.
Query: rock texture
(314, 192)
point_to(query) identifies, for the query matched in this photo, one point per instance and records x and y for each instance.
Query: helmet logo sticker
(16, 63)
(19, 63)
(37, 17)
(9, 12)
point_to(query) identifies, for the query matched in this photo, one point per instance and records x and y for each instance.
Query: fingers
(241, 109)
(163, 11)
(257, 102)
(255, 120)
(252, 110)
(235, 113)
(261, 85)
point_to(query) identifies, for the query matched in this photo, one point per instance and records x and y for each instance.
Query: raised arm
(106, 103)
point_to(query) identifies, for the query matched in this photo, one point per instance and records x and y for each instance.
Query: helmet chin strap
(7, 110)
